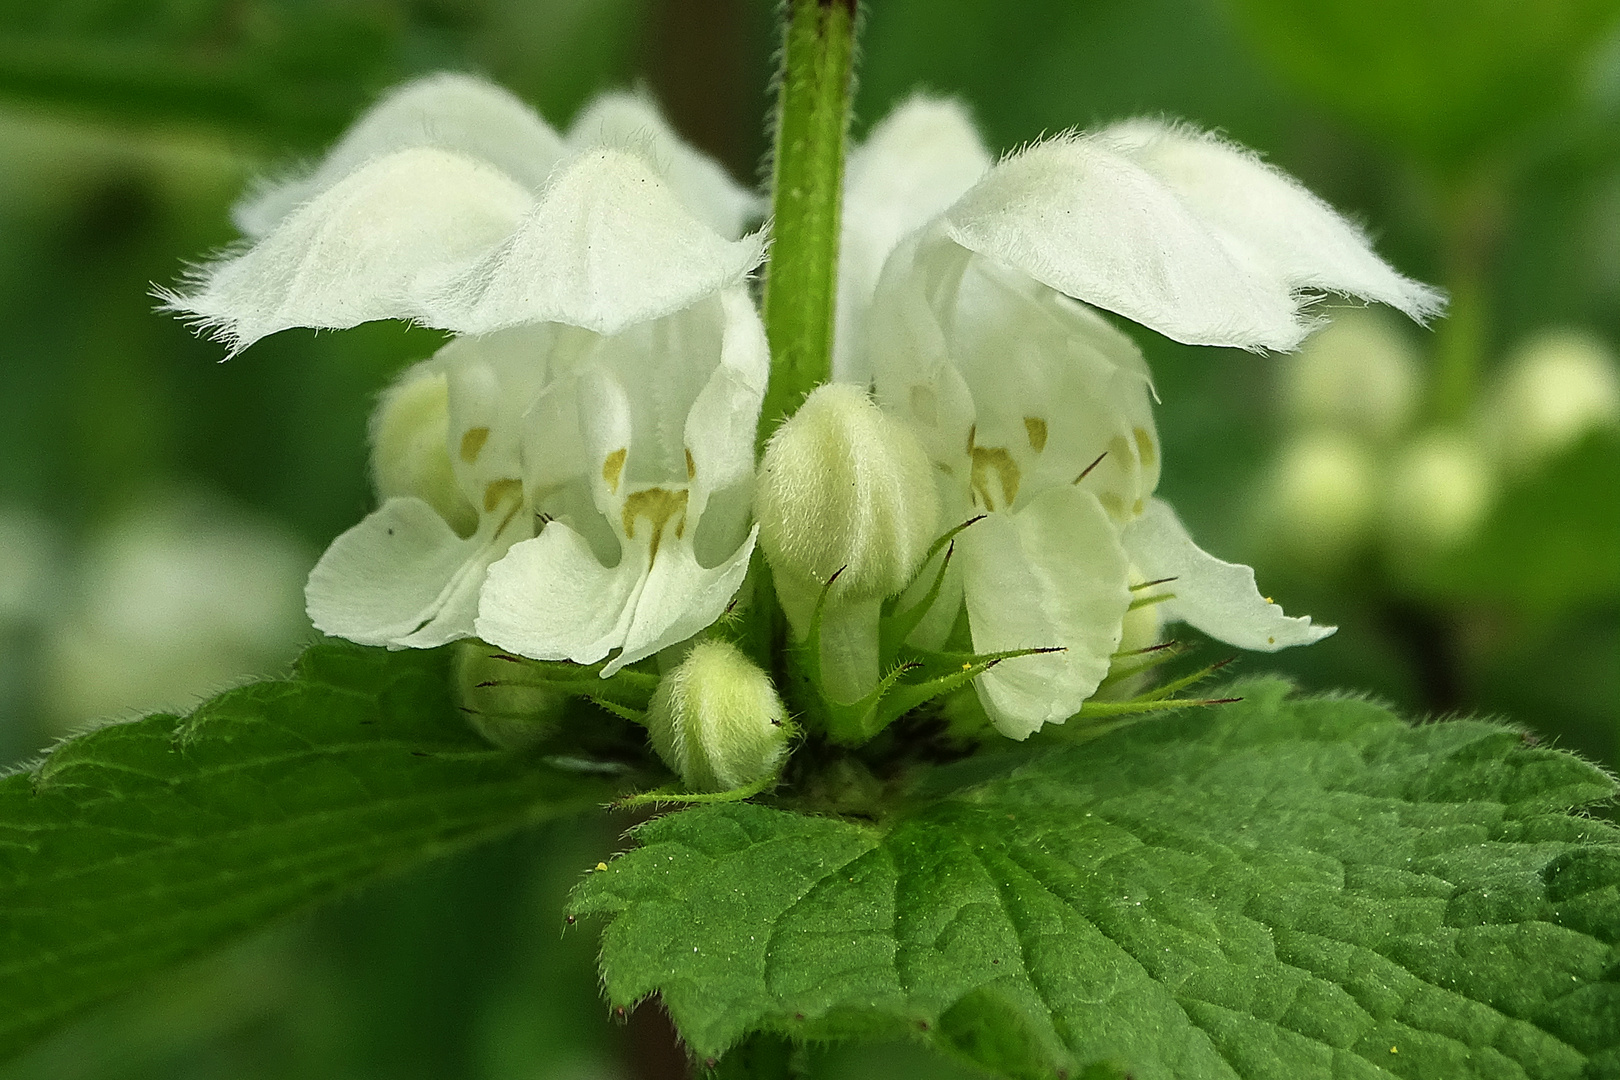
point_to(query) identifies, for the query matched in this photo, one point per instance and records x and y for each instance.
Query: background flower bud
(1555, 389)
(843, 484)
(1360, 375)
(1439, 493)
(502, 705)
(410, 446)
(717, 721)
(1320, 498)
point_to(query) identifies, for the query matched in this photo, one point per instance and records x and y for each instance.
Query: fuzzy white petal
(1086, 220)
(460, 113)
(401, 578)
(372, 246)
(1268, 215)
(1052, 575)
(720, 428)
(973, 353)
(550, 599)
(1219, 598)
(606, 433)
(609, 245)
(680, 598)
(918, 161)
(628, 121)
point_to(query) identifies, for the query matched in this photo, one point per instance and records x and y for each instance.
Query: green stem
(1473, 231)
(812, 123)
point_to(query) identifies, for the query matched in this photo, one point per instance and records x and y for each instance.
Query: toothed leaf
(1284, 888)
(142, 843)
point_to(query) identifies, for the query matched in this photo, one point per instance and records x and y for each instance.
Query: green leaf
(1285, 888)
(142, 843)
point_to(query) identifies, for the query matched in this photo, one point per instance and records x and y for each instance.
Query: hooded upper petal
(607, 246)
(444, 240)
(1219, 598)
(1051, 576)
(375, 245)
(1088, 221)
(1268, 215)
(631, 122)
(918, 161)
(471, 117)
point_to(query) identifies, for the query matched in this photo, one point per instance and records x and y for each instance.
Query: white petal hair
(453, 205)
(1178, 230)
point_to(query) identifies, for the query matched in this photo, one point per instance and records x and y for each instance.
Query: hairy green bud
(717, 721)
(844, 486)
(502, 704)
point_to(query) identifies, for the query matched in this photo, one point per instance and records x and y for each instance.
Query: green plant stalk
(1473, 231)
(812, 126)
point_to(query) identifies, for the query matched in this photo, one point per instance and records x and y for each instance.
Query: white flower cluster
(573, 476)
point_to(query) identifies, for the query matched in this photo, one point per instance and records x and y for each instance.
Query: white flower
(1034, 409)
(604, 394)
(666, 421)
(408, 575)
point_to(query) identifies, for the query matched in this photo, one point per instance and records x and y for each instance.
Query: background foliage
(1481, 138)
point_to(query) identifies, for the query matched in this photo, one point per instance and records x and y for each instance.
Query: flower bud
(502, 705)
(845, 485)
(1558, 387)
(410, 446)
(1439, 493)
(717, 721)
(1320, 500)
(1359, 375)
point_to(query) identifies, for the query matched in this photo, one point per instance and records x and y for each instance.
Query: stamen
(1036, 428)
(472, 442)
(498, 491)
(986, 459)
(1145, 448)
(658, 505)
(613, 468)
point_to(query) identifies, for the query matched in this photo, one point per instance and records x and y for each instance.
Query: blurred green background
(1449, 497)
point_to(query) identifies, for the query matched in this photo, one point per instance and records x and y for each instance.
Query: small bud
(1556, 389)
(1360, 375)
(1439, 493)
(503, 703)
(410, 446)
(1320, 500)
(843, 485)
(717, 721)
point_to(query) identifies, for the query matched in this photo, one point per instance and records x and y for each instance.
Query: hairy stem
(1473, 231)
(812, 123)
